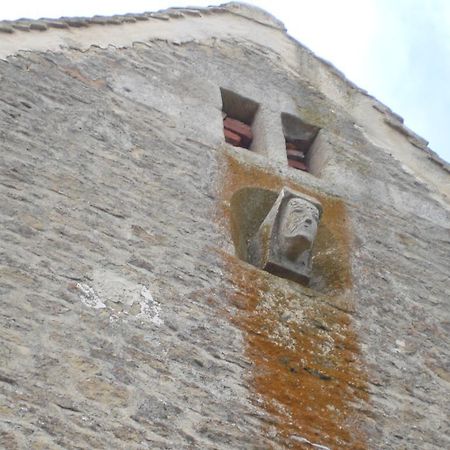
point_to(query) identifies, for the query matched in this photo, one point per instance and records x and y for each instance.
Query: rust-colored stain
(306, 359)
(75, 73)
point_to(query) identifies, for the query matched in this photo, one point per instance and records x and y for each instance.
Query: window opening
(299, 137)
(238, 114)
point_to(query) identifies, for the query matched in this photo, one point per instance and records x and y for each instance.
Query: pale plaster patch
(123, 299)
(150, 308)
(89, 297)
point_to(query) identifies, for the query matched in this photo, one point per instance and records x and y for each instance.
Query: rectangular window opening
(299, 137)
(238, 114)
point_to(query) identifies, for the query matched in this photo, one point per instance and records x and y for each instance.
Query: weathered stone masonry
(130, 317)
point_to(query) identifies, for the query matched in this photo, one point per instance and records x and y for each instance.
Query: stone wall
(128, 321)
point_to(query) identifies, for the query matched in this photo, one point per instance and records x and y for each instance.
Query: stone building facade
(132, 315)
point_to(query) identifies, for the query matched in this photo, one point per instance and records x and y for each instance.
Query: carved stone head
(283, 242)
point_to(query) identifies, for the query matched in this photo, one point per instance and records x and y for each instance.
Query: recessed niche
(238, 114)
(299, 138)
(249, 206)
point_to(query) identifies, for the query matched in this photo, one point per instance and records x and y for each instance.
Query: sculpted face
(283, 243)
(298, 227)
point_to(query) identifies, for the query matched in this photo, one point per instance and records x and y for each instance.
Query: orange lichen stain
(306, 360)
(331, 268)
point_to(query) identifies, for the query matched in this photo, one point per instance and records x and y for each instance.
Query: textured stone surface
(128, 321)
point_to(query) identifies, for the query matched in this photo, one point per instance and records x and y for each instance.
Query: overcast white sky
(398, 50)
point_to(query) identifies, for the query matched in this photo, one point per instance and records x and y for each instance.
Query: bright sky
(398, 50)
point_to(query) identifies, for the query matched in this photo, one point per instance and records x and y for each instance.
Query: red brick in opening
(296, 155)
(237, 133)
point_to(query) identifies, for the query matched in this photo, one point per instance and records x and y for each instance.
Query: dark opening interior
(238, 114)
(299, 137)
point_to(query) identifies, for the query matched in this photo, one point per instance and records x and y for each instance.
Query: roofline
(43, 24)
(15, 31)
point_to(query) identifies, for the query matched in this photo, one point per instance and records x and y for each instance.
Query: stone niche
(238, 114)
(276, 231)
(299, 139)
